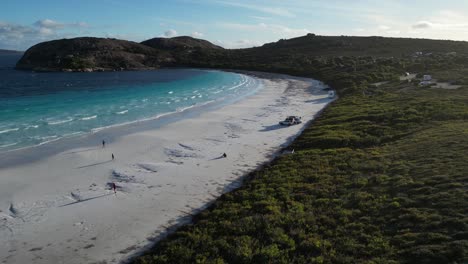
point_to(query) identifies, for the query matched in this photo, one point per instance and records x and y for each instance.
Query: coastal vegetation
(379, 177)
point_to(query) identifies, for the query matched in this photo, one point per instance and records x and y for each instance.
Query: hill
(181, 43)
(89, 54)
(314, 45)
(113, 54)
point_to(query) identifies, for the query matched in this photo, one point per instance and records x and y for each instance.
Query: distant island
(101, 54)
(9, 52)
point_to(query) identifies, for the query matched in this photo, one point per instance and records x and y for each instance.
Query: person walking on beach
(112, 156)
(114, 187)
(103, 144)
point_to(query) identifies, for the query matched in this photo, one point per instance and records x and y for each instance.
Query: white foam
(89, 117)
(8, 130)
(8, 145)
(60, 121)
(73, 134)
(32, 126)
(239, 85)
(122, 112)
(47, 137)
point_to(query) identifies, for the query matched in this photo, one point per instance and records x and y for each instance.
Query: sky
(228, 23)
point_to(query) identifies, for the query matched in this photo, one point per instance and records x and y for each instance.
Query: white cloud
(278, 11)
(197, 34)
(423, 24)
(8, 30)
(46, 31)
(170, 33)
(446, 20)
(21, 37)
(443, 24)
(52, 24)
(384, 27)
(48, 23)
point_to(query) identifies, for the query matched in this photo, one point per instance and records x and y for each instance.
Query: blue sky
(229, 23)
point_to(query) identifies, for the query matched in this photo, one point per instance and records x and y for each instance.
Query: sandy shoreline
(59, 209)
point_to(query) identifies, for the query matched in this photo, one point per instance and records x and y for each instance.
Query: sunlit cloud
(196, 34)
(423, 24)
(170, 33)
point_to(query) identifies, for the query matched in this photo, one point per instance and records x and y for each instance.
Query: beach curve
(63, 208)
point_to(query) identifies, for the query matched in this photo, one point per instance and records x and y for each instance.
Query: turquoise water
(43, 107)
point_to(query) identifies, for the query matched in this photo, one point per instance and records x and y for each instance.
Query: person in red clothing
(114, 187)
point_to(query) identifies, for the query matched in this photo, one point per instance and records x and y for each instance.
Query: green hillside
(379, 177)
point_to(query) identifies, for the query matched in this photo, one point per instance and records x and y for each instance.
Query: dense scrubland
(379, 177)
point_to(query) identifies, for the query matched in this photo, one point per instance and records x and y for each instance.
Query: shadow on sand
(83, 150)
(94, 164)
(318, 101)
(87, 199)
(272, 127)
(220, 157)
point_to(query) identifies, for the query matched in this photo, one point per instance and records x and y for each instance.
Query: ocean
(37, 108)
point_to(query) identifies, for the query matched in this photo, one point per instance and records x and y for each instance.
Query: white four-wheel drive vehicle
(291, 120)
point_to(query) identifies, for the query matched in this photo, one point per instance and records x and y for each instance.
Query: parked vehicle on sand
(291, 120)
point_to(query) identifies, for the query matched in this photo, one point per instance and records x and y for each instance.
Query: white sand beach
(61, 209)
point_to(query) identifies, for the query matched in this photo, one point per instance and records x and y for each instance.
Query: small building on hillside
(426, 80)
